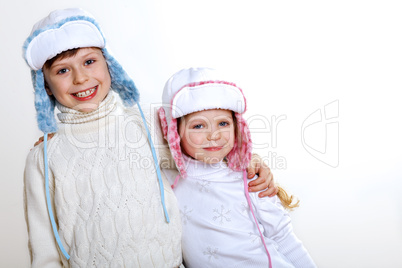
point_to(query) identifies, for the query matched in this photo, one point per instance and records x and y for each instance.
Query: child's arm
(278, 227)
(265, 180)
(164, 156)
(40, 140)
(42, 244)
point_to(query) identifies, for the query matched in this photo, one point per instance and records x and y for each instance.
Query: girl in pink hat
(223, 225)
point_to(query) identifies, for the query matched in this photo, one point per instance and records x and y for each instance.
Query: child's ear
(48, 91)
(180, 126)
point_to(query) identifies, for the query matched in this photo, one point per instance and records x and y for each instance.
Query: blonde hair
(289, 202)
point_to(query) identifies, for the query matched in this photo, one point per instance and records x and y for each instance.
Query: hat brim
(219, 95)
(71, 34)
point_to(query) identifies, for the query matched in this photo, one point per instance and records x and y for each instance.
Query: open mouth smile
(85, 94)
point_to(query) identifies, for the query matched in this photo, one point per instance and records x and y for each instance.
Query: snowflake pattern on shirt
(211, 253)
(254, 238)
(203, 186)
(185, 215)
(244, 208)
(222, 215)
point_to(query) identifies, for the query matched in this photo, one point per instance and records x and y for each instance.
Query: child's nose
(80, 77)
(214, 135)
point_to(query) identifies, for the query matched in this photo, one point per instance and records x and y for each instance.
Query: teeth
(84, 94)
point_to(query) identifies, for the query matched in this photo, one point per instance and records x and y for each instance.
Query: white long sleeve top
(105, 194)
(218, 227)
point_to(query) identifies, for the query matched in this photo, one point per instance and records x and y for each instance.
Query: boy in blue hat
(86, 202)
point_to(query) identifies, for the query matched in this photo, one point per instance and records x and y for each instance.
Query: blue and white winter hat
(62, 30)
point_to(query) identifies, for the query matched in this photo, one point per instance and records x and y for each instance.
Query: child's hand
(265, 179)
(49, 136)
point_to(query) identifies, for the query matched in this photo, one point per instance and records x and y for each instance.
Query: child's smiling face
(79, 82)
(207, 136)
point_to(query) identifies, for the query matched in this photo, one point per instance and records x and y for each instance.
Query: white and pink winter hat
(197, 89)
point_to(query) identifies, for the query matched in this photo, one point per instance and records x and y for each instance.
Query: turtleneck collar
(71, 116)
(199, 169)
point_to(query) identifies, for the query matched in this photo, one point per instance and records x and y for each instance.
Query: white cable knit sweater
(218, 228)
(105, 194)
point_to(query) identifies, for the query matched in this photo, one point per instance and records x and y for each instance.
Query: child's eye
(88, 62)
(223, 124)
(199, 126)
(62, 71)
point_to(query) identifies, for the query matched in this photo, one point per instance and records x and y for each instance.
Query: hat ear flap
(163, 121)
(121, 82)
(44, 104)
(240, 156)
(174, 145)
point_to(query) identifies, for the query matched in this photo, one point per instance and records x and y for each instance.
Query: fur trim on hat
(171, 134)
(26, 47)
(44, 104)
(121, 82)
(240, 156)
(220, 95)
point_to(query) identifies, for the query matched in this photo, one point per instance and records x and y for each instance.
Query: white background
(291, 59)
